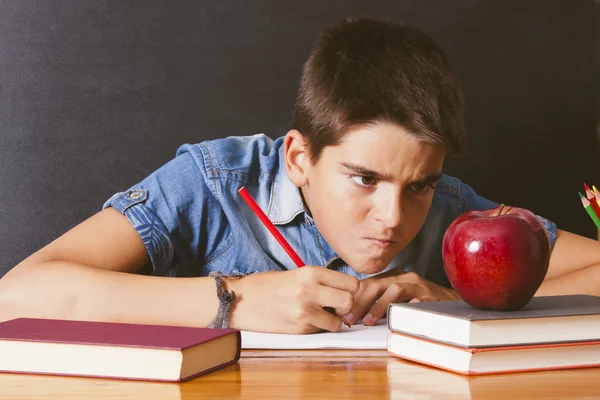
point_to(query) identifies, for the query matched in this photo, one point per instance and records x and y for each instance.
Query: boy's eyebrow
(357, 169)
(429, 178)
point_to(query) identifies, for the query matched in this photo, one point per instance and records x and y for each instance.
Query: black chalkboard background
(95, 95)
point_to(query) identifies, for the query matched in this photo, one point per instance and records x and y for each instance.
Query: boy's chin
(370, 267)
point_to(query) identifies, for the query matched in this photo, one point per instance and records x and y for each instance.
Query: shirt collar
(285, 202)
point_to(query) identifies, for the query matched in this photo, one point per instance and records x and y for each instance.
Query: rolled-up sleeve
(152, 231)
(170, 210)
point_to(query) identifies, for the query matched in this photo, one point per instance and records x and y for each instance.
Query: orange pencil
(597, 197)
(594, 203)
(596, 194)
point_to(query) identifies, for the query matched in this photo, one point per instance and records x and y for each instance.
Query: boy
(356, 187)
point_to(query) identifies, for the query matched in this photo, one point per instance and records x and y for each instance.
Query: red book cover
(176, 338)
(107, 333)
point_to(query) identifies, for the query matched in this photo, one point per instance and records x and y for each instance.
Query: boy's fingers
(339, 300)
(422, 299)
(363, 300)
(338, 280)
(395, 293)
(325, 320)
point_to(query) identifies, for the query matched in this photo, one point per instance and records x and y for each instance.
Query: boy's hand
(292, 301)
(396, 286)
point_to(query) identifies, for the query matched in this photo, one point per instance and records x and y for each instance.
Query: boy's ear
(297, 160)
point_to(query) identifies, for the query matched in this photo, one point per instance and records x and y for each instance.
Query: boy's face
(370, 194)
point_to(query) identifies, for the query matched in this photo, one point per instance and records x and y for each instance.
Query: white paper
(357, 337)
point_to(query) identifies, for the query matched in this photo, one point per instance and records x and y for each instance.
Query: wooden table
(319, 375)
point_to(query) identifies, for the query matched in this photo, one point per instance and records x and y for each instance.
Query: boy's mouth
(381, 243)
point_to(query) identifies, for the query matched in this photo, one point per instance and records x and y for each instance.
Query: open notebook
(356, 337)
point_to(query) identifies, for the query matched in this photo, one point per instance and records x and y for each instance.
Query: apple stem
(501, 208)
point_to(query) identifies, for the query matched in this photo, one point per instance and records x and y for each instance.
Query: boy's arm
(83, 275)
(574, 266)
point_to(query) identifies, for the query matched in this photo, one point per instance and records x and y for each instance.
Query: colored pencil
(597, 197)
(588, 208)
(592, 199)
(267, 222)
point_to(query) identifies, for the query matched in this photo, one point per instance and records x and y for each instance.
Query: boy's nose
(390, 211)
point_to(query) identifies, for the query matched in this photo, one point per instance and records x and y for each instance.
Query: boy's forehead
(378, 134)
(384, 139)
(383, 149)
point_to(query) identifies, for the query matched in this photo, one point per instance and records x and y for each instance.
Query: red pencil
(267, 222)
(590, 196)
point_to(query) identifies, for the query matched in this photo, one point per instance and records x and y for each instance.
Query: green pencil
(590, 210)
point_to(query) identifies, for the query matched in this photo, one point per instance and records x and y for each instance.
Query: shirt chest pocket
(239, 259)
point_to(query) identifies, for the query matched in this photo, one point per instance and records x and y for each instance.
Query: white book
(493, 360)
(545, 319)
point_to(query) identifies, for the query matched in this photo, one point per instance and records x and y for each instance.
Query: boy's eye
(362, 180)
(421, 188)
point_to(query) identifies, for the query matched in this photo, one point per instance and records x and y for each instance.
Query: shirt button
(134, 195)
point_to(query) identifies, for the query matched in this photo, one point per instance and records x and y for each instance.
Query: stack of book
(550, 332)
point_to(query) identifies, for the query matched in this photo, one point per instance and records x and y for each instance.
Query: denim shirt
(192, 220)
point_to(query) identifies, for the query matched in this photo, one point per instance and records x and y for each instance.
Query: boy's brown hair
(364, 71)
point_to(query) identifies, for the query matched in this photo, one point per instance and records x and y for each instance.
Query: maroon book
(117, 350)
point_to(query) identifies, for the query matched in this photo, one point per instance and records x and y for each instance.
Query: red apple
(496, 259)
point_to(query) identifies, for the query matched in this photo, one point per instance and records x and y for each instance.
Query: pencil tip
(586, 186)
(580, 195)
